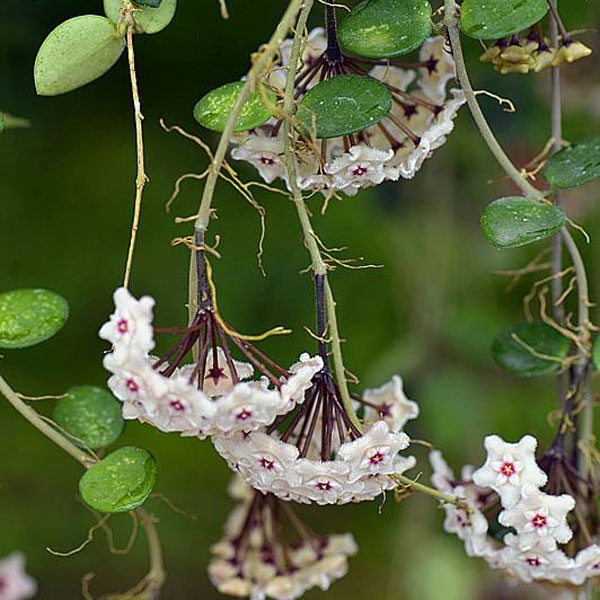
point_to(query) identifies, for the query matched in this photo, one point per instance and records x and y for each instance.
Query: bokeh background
(429, 314)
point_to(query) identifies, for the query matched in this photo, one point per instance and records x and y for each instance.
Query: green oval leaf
(342, 105)
(121, 482)
(385, 28)
(91, 416)
(596, 353)
(493, 19)
(575, 165)
(151, 17)
(213, 110)
(75, 53)
(521, 349)
(28, 317)
(514, 221)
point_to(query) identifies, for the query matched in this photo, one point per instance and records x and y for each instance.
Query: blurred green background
(66, 191)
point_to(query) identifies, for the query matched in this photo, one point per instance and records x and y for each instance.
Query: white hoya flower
(15, 583)
(129, 328)
(390, 404)
(536, 564)
(539, 519)
(361, 166)
(440, 68)
(263, 152)
(508, 467)
(376, 453)
(587, 565)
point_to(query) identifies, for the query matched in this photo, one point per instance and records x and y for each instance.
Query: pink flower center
(377, 458)
(3, 584)
(177, 405)
(267, 160)
(508, 469)
(267, 463)
(122, 326)
(244, 414)
(533, 561)
(324, 486)
(359, 171)
(132, 386)
(539, 521)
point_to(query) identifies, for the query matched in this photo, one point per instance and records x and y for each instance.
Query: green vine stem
(141, 178)
(157, 575)
(451, 20)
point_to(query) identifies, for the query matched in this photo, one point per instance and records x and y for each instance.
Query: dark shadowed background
(66, 191)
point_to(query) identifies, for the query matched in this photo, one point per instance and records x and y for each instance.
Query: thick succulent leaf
(121, 482)
(515, 221)
(75, 53)
(342, 105)
(213, 110)
(596, 353)
(90, 415)
(30, 316)
(151, 17)
(493, 19)
(575, 165)
(530, 349)
(385, 28)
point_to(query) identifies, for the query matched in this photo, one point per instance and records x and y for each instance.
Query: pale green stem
(32, 416)
(310, 239)
(451, 19)
(267, 52)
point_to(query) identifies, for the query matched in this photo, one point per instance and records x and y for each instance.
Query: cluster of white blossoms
(421, 118)
(511, 481)
(356, 470)
(256, 559)
(15, 584)
(170, 397)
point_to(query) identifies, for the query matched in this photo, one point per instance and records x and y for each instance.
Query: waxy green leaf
(385, 28)
(91, 416)
(28, 317)
(151, 17)
(75, 53)
(493, 19)
(213, 110)
(121, 482)
(575, 165)
(515, 221)
(596, 353)
(342, 105)
(530, 349)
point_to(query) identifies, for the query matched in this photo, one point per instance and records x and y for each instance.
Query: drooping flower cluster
(512, 524)
(15, 583)
(267, 551)
(420, 120)
(210, 396)
(316, 454)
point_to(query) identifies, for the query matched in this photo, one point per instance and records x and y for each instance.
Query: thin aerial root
(88, 540)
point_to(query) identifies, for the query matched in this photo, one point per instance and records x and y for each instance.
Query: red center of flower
(216, 374)
(132, 386)
(267, 160)
(267, 463)
(3, 584)
(244, 414)
(508, 469)
(359, 171)
(122, 326)
(177, 405)
(324, 486)
(533, 561)
(539, 521)
(377, 458)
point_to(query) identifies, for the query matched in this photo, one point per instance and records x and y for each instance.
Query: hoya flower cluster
(511, 523)
(267, 551)
(213, 395)
(15, 584)
(420, 120)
